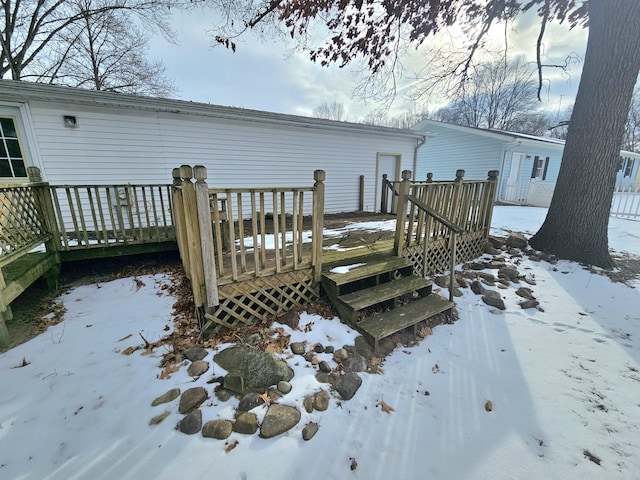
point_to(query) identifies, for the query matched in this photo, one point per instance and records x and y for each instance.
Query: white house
(86, 137)
(528, 165)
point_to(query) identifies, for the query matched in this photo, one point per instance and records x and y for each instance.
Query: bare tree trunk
(577, 222)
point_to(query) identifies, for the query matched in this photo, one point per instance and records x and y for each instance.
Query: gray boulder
(251, 369)
(309, 430)
(192, 399)
(191, 423)
(347, 385)
(197, 368)
(516, 240)
(321, 400)
(279, 419)
(170, 396)
(195, 353)
(493, 299)
(219, 429)
(246, 423)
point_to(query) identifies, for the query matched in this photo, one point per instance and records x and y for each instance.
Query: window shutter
(535, 164)
(546, 165)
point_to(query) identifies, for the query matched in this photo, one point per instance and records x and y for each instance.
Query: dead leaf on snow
(436, 368)
(125, 337)
(168, 370)
(488, 406)
(591, 457)
(385, 408)
(130, 350)
(230, 446)
(354, 464)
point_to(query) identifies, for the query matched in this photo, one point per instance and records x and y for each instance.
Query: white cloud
(266, 75)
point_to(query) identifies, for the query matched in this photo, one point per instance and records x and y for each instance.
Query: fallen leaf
(354, 464)
(385, 408)
(88, 325)
(130, 350)
(125, 337)
(265, 397)
(591, 457)
(168, 370)
(231, 446)
(488, 406)
(436, 368)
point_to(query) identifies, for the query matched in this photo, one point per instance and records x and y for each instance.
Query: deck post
(206, 237)
(361, 199)
(384, 195)
(401, 212)
(179, 221)
(318, 223)
(192, 230)
(490, 200)
(42, 194)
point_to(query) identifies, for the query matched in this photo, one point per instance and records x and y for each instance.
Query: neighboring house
(528, 165)
(87, 137)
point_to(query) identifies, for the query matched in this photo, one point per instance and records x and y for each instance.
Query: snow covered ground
(564, 385)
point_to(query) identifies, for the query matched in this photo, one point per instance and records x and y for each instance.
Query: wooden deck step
(387, 323)
(369, 269)
(385, 291)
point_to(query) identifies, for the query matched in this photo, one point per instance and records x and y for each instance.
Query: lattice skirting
(468, 247)
(251, 301)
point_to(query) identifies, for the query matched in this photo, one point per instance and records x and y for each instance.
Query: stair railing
(419, 210)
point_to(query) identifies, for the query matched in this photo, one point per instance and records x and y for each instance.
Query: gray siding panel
(450, 150)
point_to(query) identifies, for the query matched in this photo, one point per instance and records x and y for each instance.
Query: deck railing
(232, 237)
(91, 216)
(430, 208)
(626, 203)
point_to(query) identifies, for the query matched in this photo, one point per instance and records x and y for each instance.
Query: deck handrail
(459, 208)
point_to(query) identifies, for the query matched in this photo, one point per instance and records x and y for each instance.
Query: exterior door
(512, 191)
(388, 164)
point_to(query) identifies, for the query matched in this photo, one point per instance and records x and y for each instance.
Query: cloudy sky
(266, 75)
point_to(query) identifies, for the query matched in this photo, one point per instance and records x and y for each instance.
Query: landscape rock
(516, 240)
(284, 387)
(159, 418)
(297, 348)
(340, 355)
(197, 368)
(329, 349)
(219, 429)
(477, 288)
(249, 402)
(529, 304)
(195, 353)
(246, 423)
(321, 400)
(347, 385)
(222, 394)
(318, 348)
(309, 430)
(496, 242)
(191, 423)
(510, 272)
(167, 397)
(362, 347)
(307, 403)
(256, 368)
(525, 293)
(192, 399)
(492, 300)
(279, 419)
(354, 363)
(324, 367)
(444, 280)
(290, 319)
(323, 377)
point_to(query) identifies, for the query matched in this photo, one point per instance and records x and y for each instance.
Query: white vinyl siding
(124, 145)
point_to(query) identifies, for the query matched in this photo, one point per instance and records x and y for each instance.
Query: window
(11, 157)
(626, 166)
(540, 165)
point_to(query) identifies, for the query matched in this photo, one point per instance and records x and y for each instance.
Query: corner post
(318, 223)
(192, 234)
(206, 237)
(401, 212)
(361, 199)
(455, 214)
(179, 220)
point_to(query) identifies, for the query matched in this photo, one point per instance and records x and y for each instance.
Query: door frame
(378, 182)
